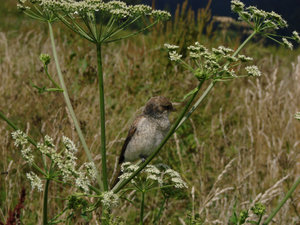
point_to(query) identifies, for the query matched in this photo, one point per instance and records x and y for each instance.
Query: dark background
(288, 9)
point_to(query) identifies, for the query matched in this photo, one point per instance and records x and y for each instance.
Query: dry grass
(241, 145)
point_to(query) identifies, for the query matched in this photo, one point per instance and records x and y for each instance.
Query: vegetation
(240, 148)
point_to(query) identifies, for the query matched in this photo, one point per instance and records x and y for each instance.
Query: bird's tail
(116, 178)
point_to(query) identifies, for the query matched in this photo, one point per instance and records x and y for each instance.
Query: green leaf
(190, 93)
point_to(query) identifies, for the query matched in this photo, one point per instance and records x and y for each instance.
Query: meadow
(241, 146)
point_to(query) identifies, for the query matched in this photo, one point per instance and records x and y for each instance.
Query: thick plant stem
(142, 208)
(244, 43)
(194, 107)
(283, 201)
(102, 118)
(68, 103)
(118, 187)
(45, 203)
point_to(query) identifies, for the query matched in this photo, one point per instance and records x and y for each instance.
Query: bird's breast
(148, 135)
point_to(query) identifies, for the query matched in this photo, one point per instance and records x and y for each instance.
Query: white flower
(253, 71)
(197, 48)
(172, 173)
(125, 165)
(297, 115)
(176, 178)
(49, 141)
(174, 56)
(236, 5)
(70, 146)
(35, 181)
(83, 182)
(225, 50)
(20, 138)
(161, 15)
(287, 43)
(244, 58)
(153, 173)
(171, 47)
(45, 149)
(195, 55)
(27, 155)
(109, 199)
(91, 169)
(152, 169)
(296, 36)
(179, 183)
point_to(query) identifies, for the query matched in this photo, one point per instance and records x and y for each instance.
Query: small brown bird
(147, 131)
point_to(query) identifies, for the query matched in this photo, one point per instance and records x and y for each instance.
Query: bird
(146, 132)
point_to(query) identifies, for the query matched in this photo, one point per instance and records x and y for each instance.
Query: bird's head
(158, 106)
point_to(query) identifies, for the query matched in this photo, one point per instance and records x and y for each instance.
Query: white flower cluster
(35, 181)
(263, 22)
(109, 199)
(174, 56)
(151, 172)
(296, 36)
(253, 71)
(64, 160)
(260, 18)
(91, 170)
(118, 9)
(214, 64)
(21, 140)
(171, 47)
(82, 181)
(297, 116)
(175, 178)
(287, 43)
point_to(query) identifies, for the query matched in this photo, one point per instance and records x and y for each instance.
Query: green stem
(135, 33)
(142, 208)
(118, 187)
(161, 209)
(12, 125)
(205, 93)
(244, 43)
(45, 202)
(259, 220)
(68, 103)
(53, 82)
(283, 201)
(102, 118)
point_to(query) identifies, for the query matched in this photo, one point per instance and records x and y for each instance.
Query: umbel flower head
(217, 64)
(64, 160)
(264, 22)
(153, 174)
(114, 16)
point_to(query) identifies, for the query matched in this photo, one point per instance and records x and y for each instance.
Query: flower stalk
(45, 202)
(142, 207)
(68, 102)
(102, 117)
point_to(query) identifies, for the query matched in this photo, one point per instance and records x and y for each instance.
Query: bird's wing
(130, 134)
